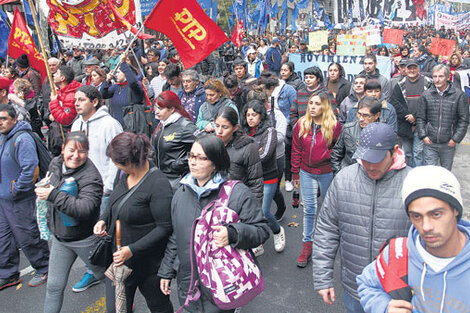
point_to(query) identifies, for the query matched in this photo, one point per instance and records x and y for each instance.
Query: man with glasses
(192, 95)
(372, 88)
(357, 92)
(405, 99)
(368, 112)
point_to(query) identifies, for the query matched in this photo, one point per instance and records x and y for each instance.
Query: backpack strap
(13, 144)
(394, 275)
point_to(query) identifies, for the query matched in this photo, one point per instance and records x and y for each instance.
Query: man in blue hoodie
(438, 249)
(18, 226)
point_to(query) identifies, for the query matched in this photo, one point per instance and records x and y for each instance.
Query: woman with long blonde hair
(314, 136)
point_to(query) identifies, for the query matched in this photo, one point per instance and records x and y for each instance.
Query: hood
(20, 125)
(240, 140)
(212, 184)
(442, 282)
(375, 76)
(102, 112)
(293, 77)
(72, 87)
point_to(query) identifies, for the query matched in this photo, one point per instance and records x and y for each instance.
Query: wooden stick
(118, 234)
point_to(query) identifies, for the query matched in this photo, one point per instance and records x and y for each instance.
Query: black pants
(278, 197)
(288, 166)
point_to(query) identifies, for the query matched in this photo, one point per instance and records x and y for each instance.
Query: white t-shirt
(437, 264)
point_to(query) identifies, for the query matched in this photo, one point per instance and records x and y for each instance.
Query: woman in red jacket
(314, 136)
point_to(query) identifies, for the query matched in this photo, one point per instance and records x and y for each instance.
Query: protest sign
(352, 64)
(372, 34)
(351, 44)
(317, 39)
(441, 46)
(465, 81)
(393, 36)
(452, 21)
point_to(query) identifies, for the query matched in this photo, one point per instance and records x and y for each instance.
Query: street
(288, 288)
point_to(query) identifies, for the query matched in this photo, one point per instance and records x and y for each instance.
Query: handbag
(102, 252)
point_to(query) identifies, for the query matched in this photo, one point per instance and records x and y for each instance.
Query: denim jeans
(268, 194)
(413, 150)
(63, 255)
(309, 184)
(352, 305)
(436, 152)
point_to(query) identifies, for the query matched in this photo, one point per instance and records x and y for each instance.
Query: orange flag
(20, 42)
(193, 33)
(237, 34)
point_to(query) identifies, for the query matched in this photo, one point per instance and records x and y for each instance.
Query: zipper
(440, 119)
(314, 128)
(372, 223)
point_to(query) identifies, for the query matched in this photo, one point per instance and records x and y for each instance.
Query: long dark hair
(215, 150)
(259, 108)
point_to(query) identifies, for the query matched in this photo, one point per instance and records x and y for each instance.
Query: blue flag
(4, 34)
(295, 16)
(351, 16)
(275, 9)
(283, 19)
(302, 4)
(380, 16)
(28, 13)
(328, 22)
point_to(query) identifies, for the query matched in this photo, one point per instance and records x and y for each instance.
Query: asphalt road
(288, 288)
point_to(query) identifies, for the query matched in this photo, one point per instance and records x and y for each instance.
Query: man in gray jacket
(442, 119)
(361, 210)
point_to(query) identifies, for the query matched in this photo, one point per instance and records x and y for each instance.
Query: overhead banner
(352, 64)
(90, 24)
(393, 12)
(452, 21)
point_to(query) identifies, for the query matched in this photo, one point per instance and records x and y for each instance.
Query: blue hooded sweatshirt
(17, 178)
(445, 291)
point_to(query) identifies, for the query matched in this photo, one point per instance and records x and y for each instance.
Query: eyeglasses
(196, 157)
(364, 115)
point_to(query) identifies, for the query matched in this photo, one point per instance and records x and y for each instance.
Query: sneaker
(280, 240)
(279, 218)
(38, 280)
(288, 186)
(8, 282)
(86, 282)
(259, 250)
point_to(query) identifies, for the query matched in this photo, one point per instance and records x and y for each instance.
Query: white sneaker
(288, 186)
(280, 240)
(259, 250)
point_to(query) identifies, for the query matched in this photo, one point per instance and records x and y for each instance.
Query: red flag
(441, 46)
(125, 23)
(393, 36)
(193, 33)
(6, 1)
(20, 42)
(238, 34)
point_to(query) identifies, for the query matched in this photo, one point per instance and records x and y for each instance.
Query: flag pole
(128, 47)
(43, 50)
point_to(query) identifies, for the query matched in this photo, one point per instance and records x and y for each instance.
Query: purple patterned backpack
(230, 274)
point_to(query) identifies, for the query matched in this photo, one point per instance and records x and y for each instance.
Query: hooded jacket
(295, 81)
(63, 108)
(346, 105)
(265, 137)
(245, 164)
(384, 82)
(85, 208)
(357, 216)
(444, 291)
(208, 111)
(442, 118)
(187, 205)
(100, 128)
(312, 153)
(17, 180)
(255, 67)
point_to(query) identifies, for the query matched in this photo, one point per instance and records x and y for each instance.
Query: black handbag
(102, 252)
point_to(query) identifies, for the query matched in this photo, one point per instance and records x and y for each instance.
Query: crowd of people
(241, 114)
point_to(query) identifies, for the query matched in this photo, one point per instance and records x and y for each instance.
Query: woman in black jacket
(289, 75)
(337, 84)
(70, 218)
(145, 219)
(208, 163)
(245, 164)
(173, 137)
(258, 125)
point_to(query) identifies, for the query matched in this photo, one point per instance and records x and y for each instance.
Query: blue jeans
(309, 184)
(352, 305)
(268, 194)
(413, 150)
(436, 153)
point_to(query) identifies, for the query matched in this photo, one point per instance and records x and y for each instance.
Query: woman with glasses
(173, 137)
(208, 165)
(315, 135)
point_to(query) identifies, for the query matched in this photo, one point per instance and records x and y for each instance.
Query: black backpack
(44, 156)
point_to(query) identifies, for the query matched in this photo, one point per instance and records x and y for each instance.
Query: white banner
(465, 81)
(352, 64)
(452, 21)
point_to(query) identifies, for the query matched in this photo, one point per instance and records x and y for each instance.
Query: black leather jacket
(344, 149)
(172, 144)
